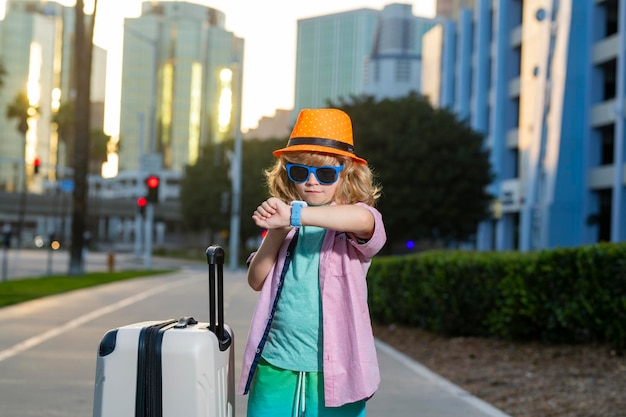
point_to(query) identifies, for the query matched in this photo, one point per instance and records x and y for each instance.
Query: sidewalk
(408, 385)
(407, 389)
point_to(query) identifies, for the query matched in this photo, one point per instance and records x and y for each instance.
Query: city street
(48, 346)
(30, 263)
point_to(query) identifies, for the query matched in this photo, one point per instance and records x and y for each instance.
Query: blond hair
(357, 183)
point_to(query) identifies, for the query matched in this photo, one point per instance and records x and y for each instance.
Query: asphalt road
(48, 347)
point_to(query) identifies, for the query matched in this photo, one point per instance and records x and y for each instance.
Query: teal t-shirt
(295, 339)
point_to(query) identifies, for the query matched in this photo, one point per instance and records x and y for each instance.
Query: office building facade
(181, 84)
(28, 50)
(450, 9)
(364, 51)
(331, 57)
(544, 81)
(395, 62)
(36, 49)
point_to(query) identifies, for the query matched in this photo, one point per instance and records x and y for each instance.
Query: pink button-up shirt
(350, 364)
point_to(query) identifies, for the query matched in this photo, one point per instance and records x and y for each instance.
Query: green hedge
(563, 295)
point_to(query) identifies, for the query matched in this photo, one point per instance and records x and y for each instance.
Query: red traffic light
(142, 202)
(36, 164)
(152, 181)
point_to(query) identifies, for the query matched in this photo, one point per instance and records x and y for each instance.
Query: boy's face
(316, 194)
(312, 190)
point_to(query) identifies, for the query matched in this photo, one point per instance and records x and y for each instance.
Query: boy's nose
(311, 178)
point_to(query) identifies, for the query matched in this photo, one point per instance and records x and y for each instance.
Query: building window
(403, 70)
(376, 71)
(609, 71)
(607, 138)
(603, 218)
(610, 16)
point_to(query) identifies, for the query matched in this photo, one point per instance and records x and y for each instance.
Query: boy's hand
(273, 213)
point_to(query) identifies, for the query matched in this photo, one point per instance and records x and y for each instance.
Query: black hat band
(329, 143)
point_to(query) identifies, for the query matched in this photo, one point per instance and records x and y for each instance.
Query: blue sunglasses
(325, 175)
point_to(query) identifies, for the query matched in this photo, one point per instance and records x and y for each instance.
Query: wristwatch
(296, 209)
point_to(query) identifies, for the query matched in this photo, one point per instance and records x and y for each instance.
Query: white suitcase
(170, 368)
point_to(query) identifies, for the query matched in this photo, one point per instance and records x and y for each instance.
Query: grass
(189, 254)
(18, 291)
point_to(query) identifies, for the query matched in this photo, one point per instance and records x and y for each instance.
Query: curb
(427, 374)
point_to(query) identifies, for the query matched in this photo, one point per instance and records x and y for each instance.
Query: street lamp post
(6, 244)
(235, 210)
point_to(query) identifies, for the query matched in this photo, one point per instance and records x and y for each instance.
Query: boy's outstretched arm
(348, 218)
(351, 218)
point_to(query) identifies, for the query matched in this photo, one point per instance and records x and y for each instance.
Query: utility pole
(235, 207)
(148, 225)
(83, 46)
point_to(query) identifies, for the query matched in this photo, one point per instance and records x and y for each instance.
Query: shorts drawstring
(300, 404)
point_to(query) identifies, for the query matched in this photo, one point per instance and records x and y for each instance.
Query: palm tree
(20, 110)
(64, 119)
(98, 150)
(98, 146)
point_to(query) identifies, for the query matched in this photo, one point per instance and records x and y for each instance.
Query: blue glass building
(544, 82)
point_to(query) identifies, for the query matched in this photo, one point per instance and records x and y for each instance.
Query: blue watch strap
(296, 210)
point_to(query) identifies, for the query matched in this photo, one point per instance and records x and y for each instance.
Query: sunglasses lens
(326, 175)
(298, 173)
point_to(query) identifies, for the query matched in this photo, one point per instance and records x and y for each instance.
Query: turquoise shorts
(277, 392)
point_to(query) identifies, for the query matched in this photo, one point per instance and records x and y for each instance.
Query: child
(310, 351)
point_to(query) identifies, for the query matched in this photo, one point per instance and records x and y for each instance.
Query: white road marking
(72, 324)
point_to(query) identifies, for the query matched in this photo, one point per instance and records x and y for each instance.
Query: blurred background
(188, 98)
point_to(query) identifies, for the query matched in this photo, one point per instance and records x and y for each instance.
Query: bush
(562, 296)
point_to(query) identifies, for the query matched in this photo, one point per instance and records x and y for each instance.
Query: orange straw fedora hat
(322, 130)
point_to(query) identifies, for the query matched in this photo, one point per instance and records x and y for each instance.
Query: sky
(269, 30)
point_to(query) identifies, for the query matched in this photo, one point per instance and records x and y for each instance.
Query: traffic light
(141, 205)
(152, 182)
(36, 164)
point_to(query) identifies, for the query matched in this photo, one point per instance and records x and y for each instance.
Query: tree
(204, 185)
(98, 150)
(64, 119)
(434, 168)
(98, 143)
(203, 188)
(257, 157)
(20, 110)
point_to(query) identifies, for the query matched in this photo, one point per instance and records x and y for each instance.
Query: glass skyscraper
(332, 56)
(179, 64)
(364, 51)
(31, 46)
(37, 51)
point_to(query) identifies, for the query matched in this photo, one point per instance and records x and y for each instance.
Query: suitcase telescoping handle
(215, 259)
